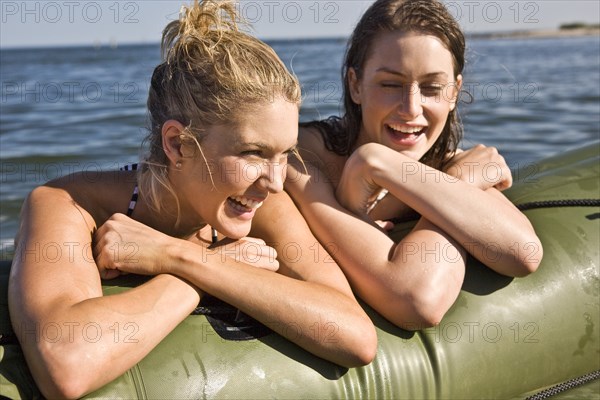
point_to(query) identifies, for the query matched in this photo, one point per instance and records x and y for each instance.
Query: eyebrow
(401, 74)
(267, 147)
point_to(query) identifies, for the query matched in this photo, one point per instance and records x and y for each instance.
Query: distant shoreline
(529, 34)
(538, 34)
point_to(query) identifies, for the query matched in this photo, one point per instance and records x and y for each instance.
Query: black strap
(561, 387)
(134, 196)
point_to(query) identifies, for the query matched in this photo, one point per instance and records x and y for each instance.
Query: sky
(112, 22)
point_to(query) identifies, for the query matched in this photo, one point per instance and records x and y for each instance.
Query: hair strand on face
(212, 73)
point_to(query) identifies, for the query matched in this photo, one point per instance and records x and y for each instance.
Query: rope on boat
(559, 203)
(413, 216)
(561, 387)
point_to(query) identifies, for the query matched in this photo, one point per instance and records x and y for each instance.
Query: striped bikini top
(134, 196)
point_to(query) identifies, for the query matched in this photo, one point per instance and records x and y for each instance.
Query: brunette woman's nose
(411, 104)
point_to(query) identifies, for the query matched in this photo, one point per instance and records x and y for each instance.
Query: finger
(275, 266)
(253, 239)
(222, 243)
(228, 241)
(503, 185)
(385, 225)
(509, 178)
(258, 250)
(97, 248)
(109, 273)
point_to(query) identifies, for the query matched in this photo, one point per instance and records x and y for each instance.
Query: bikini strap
(134, 196)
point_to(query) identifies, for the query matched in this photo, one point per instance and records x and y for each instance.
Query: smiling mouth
(244, 204)
(406, 130)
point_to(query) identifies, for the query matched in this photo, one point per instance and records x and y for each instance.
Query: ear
(456, 92)
(172, 131)
(354, 85)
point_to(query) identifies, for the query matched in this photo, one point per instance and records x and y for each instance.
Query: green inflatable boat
(503, 338)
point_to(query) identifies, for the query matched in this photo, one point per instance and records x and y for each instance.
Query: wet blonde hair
(212, 73)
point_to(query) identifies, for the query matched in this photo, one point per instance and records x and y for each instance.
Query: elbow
(63, 389)
(60, 374)
(529, 262)
(361, 345)
(528, 257)
(422, 309)
(365, 353)
(360, 357)
(422, 318)
(529, 252)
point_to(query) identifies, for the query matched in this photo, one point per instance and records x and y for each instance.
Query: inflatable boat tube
(503, 338)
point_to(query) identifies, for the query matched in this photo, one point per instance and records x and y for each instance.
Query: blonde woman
(224, 119)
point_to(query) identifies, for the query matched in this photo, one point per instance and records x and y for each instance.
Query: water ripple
(77, 108)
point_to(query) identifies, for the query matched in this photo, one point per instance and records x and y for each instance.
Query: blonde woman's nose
(273, 176)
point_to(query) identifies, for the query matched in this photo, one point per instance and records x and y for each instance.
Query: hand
(356, 191)
(122, 244)
(248, 250)
(480, 166)
(387, 226)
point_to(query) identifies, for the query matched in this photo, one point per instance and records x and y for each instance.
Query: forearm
(515, 249)
(412, 284)
(467, 213)
(314, 316)
(79, 347)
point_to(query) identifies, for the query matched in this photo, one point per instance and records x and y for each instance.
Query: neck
(170, 219)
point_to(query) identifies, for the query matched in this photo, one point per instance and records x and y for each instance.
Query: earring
(178, 165)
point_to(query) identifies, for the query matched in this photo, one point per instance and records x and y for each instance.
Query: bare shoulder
(101, 194)
(53, 217)
(74, 205)
(281, 225)
(312, 148)
(57, 201)
(277, 215)
(311, 145)
(53, 261)
(310, 138)
(53, 253)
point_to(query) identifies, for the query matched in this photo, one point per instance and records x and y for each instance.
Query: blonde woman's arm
(310, 294)
(75, 339)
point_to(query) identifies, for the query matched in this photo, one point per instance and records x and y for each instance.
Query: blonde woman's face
(239, 166)
(406, 91)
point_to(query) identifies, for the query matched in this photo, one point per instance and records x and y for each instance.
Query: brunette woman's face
(406, 90)
(239, 165)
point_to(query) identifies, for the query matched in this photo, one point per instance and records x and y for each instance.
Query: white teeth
(248, 202)
(406, 129)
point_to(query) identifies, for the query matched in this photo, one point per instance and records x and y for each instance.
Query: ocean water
(69, 109)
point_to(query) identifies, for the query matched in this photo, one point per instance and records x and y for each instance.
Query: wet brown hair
(429, 17)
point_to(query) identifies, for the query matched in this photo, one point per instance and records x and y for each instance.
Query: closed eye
(252, 153)
(431, 90)
(258, 154)
(392, 85)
